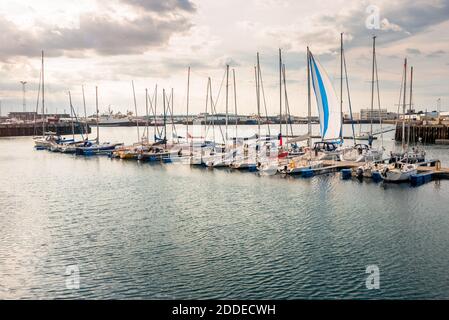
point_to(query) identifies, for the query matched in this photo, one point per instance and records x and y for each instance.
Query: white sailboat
(399, 172)
(329, 111)
(402, 170)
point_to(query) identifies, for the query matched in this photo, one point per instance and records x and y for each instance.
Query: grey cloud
(413, 51)
(435, 54)
(163, 6)
(398, 20)
(100, 33)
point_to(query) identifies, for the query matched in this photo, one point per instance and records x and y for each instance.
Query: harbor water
(169, 231)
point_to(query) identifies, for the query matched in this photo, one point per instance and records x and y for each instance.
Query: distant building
(31, 116)
(375, 114)
(24, 116)
(355, 116)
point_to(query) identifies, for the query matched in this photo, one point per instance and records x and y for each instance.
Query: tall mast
(72, 112)
(341, 85)
(227, 100)
(96, 106)
(403, 106)
(212, 108)
(43, 96)
(147, 123)
(410, 109)
(188, 98)
(85, 114)
(135, 108)
(287, 107)
(172, 115)
(258, 95)
(309, 103)
(165, 122)
(372, 85)
(206, 127)
(280, 91)
(156, 127)
(235, 104)
(378, 101)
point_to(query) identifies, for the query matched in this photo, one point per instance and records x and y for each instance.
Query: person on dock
(370, 140)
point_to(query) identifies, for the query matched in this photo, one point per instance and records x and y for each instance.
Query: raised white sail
(327, 102)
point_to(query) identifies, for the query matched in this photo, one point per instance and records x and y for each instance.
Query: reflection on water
(171, 231)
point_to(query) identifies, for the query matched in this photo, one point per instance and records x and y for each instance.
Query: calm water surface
(171, 231)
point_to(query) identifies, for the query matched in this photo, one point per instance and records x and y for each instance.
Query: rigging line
(264, 100)
(213, 104)
(400, 98)
(287, 106)
(37, 102)
(156, 130)
(378, 103)
(215, 111)
(72, 109)
(206, 127)
(349, 96)
(170, 107)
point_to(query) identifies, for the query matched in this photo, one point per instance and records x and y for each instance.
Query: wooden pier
(29, 129)
(427, 133)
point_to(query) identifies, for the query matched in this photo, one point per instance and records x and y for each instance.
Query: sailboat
(362, 152)
(89, 148)
(330, 122)
(71, 145)
(49, 138)
(219, 157)
(329, 112)
(160, 150)
(248, 153)
(403, 169)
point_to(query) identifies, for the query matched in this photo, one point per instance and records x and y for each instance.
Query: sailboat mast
(172, 98)
(404, 105)
(378, 102)
(349, 98)
(188, 99)
(372, 86)
(212, 109)
(287, 111)
(156, 126)
(146, 109)
(43, 96)
(235, 104)
(410, 109)
(72, 115)
(96, 106)
(206, 127)
(165, 122)
(256, 74)
(341, 85)
(227, 100)
(309, 103)
(135, 108)
(85, 114)
(280, 91)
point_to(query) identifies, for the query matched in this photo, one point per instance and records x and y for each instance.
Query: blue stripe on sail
(323, 98)
(314, 89)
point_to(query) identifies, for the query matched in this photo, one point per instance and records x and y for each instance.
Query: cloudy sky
(110, 43)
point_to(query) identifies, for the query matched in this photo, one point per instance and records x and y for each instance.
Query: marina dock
(30, 129)
(427, 133)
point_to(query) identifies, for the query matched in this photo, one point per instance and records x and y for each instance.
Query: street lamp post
(24, 97)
